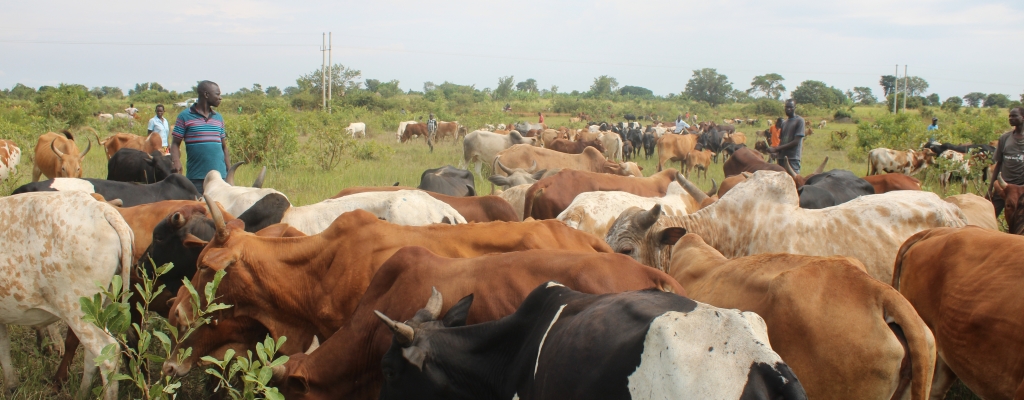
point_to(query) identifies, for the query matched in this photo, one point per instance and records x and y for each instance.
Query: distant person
(508, 107)
(159, 125)
(540, 120)
(431, 126)
(681, 125)
(131, 110)
(693, 118)
(791, 139)
(935, 124)
(202, 130)
(687, 116)
(1009, 157)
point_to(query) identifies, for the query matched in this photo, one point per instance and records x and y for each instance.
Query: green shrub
(70, 104)
(268, 138)
(840, 114)
(329, 148)
(370, 150)
(838, 140)
(765, 107)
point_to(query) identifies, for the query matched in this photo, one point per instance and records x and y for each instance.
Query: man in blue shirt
(202, 130)
(159, 125)
(935, 124)
(791, 139)
(681, 124)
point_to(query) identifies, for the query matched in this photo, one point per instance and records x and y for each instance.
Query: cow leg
(71, 346)
(55, 337)
(10, 375)
(943, 380)
(93, 341)
(35, 173)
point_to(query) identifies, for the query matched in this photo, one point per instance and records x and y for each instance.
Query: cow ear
(498, 180)
(193, 241)
(298, 383)
(539, 174)
(456, 316)
(414, 355)
(218, 259)
(670, 236)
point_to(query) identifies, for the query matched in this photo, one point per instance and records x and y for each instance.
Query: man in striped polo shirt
(202, 129)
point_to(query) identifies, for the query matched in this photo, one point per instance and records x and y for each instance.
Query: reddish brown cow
(57, 156)
(272, 282)
(472, 208)
(119, 141)
(449, 129)
(965, 284)
(412, 130)
(550, 196)
(894, 181)
(1013, 211)
(570, 147)
(348, 365)
(747, 160)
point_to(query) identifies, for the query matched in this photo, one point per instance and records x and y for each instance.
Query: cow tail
(127, 239)
(531, 195)
(897, 270)
(920, 343)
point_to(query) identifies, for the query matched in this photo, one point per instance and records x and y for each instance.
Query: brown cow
(449, 129)
(674, 148)
(700, 160)
(57, 156)
(10, 156)
(747, 160)
(550, 196)
(472, 208)
(413, 130)
(737, 138)
(570, 147)
(272, 281)
(894, 181)
(825, 315)
(1014, 212)
(120, 141)
(524, 156)
(978, 210)
(348, 365)
(965, 284)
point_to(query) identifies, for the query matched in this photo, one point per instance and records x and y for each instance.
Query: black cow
(833, 188)
(448, 180)
(627, 150)
(174, 187)
(815, 198)
(629, 117)
(649, 142)
(563, 344)
(938, 148)
(712, 140)
(635, 136)
(130, 165)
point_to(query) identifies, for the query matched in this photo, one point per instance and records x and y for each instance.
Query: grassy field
(307, 184)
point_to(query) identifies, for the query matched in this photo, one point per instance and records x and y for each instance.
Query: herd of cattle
(582, 278)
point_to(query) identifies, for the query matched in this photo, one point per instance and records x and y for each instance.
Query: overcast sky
(957, 46)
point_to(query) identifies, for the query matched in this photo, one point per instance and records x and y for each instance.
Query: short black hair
(204, 86)
(791, 101)
(159, 106)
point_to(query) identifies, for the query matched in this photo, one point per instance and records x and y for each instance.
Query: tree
(428, 86)
(504, 88)
(888, 83)
(343, 79)
(819, 94)
(529, 86)
(952, 104)
(291, 91)
(974, 99)
(916, 86)
(371, 85)
(636, 91)
(389, 88)
(863, 95)
(273, 91)
(67, 103)
(22, 92)
(709, 86)
(769, 84)
(933, 100)
(997, 100)
(554, 90)
(107, 91)
(603, 86)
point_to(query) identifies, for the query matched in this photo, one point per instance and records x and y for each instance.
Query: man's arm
(227, 153)
(176, 156)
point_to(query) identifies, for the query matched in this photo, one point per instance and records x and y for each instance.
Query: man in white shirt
(131, 110)
(159, 125)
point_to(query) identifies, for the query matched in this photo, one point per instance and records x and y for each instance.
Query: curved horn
(789, 168)
(534, 166)
(434, 303)
(690, 188)
(646, 219)
(502, 166)
(230, 179)
(1002, 183)
(714, 188)
(821, 168)
(177, 220)
(313, 346)
(55, 151)
(403, 333)
(258, 183)
(88, 146)
(218, 220)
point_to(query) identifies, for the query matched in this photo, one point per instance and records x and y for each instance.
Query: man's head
(790, 108)
(132, 105)
(778, 122)
(1017, 116)
(160, 110)
(210, 92)
(935, 120)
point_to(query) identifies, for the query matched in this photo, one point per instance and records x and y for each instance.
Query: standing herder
(431, 126)
(131, 110)
(202, 130)
(791, 139)
(935, 124)
(1009, 157)
(159, 125)
(681, 125)
(540, 119)
(774, 134)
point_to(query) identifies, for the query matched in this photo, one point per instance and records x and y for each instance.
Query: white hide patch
(66, 184)
(543, 338)
(402, 207)
(680, 346)
(234, 199)
(595, 212)
(9, 165)
(553, 284)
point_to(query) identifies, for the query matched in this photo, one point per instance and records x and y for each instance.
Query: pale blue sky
(958, 46)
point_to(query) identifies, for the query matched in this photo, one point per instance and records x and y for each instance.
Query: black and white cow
(174, 187)
(448, 180)
(130, 165)
(563, 344)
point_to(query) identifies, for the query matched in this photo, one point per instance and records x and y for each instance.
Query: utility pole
(906, 86)
(896, 88)
(330, 65)
(323, 64)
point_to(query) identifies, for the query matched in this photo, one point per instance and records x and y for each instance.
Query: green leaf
(273, 394)
(163, 269)
(265, 375)
(280, 361)
(120, 377)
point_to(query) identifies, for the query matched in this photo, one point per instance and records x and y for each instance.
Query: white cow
(58, 246)
(234, 199)
(401, 129)
(105, 117)
(10, 156)
(402, 207)
(482, 146)
(612, 145)
(961, 170)
(356, 128)
(594, 212)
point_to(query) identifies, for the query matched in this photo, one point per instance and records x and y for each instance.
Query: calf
(644, 349)
(130, 165)
(700, 160)
(56, 156)
(348, 364)
(356, 128)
